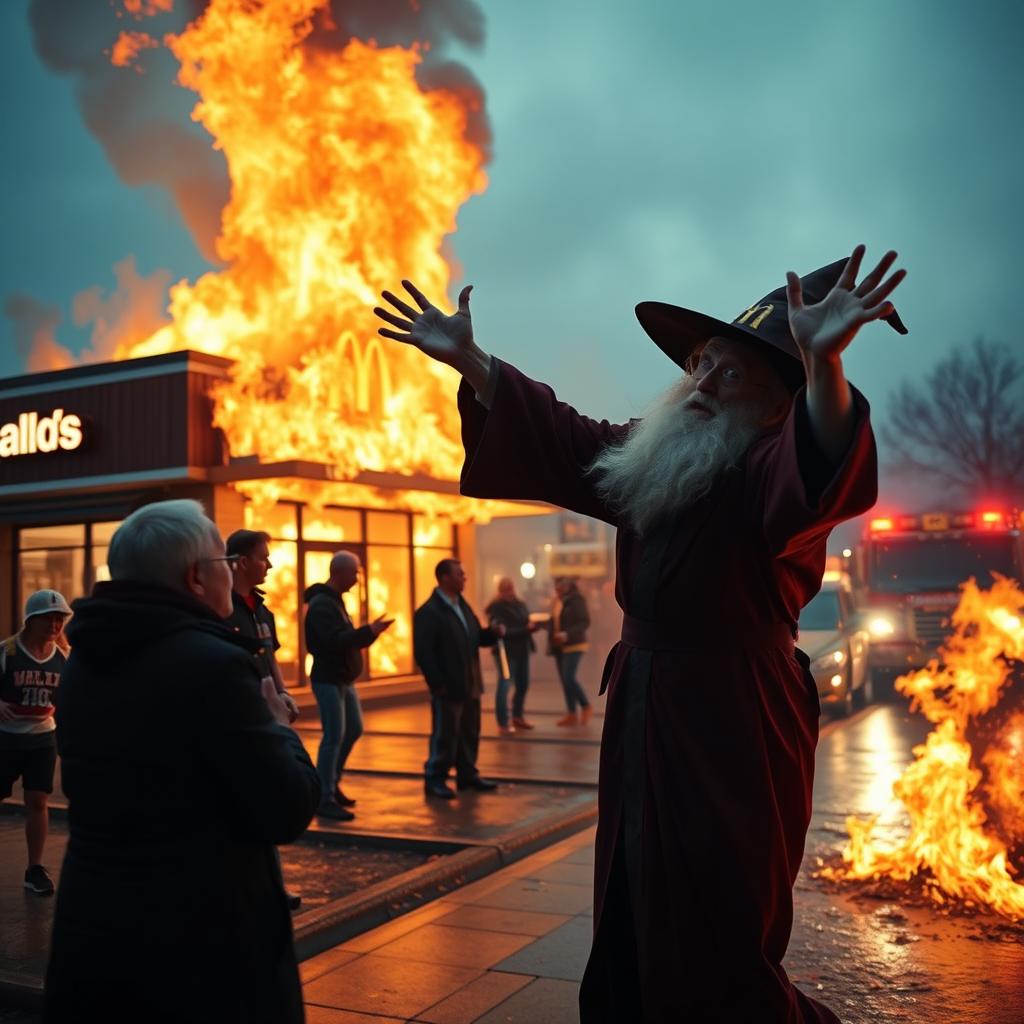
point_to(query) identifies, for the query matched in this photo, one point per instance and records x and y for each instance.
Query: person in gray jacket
(336, 645)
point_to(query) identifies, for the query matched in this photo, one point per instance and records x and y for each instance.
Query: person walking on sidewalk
(567, 641)
(509, 611)
(447, 638)
(723, 496)
(248, 553)
(336, 645)
(31, 664)
(182, 776)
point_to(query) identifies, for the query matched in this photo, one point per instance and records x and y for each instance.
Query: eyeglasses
(232, 560)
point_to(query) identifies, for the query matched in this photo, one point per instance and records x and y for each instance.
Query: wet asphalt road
(879, 952)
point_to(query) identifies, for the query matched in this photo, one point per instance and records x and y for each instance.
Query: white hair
(157, 543)
(672, 457)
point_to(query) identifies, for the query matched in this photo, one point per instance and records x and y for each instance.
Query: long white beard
(672, 458)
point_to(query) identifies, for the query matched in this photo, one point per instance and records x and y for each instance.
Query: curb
(321, 929)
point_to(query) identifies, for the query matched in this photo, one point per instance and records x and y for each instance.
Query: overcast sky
(653, 150)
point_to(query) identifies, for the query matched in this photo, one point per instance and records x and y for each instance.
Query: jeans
(342, 720)
(567, 665)
(519, 669)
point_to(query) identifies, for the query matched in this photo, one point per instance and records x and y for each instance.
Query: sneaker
(522, 723)
(585, 714)
(506, 730)
(335, 811)
(569, 719)
(38, 880)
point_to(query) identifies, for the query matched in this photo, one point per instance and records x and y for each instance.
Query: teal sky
(674, 151)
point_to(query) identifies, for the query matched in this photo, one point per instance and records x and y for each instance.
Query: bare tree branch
(963, 426)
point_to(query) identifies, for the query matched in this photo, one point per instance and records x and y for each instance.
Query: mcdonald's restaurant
(81, 448)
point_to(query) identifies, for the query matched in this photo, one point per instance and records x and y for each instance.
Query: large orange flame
(345, 176)
(953, 842)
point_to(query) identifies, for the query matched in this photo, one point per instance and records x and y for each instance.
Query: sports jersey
(27, 686)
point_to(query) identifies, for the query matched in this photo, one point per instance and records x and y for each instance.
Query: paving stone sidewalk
(510, 948)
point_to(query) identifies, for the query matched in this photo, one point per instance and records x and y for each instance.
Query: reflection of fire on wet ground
(964, 791)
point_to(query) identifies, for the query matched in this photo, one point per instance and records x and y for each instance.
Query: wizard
(724, 494)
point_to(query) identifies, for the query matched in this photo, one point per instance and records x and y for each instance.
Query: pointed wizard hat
(678, 332)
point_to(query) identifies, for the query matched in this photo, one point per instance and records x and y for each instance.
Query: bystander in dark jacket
(447, 638)
(331, 638)
(180, 784)
(336, 644)
(567, 641)
(509, 611)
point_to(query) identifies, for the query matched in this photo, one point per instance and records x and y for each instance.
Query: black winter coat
(448, 654)
(332, 639)
(515, 617)
(170, 905)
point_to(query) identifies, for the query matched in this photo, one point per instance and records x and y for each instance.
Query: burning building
(265, 391)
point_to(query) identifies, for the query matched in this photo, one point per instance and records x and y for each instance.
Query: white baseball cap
(43, 602)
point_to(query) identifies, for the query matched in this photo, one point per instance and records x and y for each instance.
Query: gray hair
(157, 543)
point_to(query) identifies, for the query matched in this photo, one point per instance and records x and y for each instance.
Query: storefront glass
(68, 558)
(396, 577)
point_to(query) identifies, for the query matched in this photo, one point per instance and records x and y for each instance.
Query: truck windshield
(822, 612)
(909, 565)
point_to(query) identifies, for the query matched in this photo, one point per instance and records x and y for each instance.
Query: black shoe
(294, 901)
(38, 880)
(436, 787)
(480, 784)
(340, 798)
(335, 811)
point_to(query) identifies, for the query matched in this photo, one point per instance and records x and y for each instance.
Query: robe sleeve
(795, 495)
(529, 445)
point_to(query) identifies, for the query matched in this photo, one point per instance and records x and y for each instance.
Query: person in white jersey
(31, 664)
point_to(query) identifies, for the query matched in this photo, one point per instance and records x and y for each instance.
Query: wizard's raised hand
(823, 330)
(449, 339)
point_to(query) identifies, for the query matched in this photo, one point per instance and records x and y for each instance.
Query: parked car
(836, 641)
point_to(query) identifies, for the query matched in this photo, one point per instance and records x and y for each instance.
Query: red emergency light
(881, 525)
(992, 520)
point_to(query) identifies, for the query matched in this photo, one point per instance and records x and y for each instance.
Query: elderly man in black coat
(447, 638)
(181, 776)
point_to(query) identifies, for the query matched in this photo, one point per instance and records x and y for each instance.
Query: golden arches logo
(759, 314)
(370, 386)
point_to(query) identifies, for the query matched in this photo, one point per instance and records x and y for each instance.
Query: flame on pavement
(966, 808)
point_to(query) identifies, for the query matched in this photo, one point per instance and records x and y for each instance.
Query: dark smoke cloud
(142, 120)
(34, 327)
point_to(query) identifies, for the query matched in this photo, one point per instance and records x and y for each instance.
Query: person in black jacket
(181, 776)
(447, 638)
(567, 641)
(250, 615)
(336, 645)
(508, 610)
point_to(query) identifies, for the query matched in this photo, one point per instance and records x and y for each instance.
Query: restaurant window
(332, 524)
(398, 552)
(68, 558)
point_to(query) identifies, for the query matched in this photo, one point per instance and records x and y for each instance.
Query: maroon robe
(707, 755)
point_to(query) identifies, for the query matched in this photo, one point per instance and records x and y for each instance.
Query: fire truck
(907, 573)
